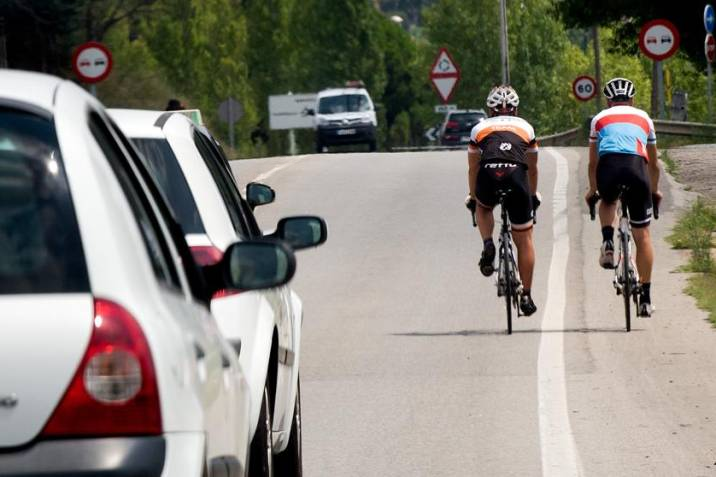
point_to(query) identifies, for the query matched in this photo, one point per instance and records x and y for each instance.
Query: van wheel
(261, 452)
(319, 147)
(290, 461)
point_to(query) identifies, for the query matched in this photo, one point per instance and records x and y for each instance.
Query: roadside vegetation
(695, 231)
(203, 51)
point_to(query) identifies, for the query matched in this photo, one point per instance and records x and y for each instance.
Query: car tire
(261, 451)
(319, 147)
(290, 461)
(372, 146)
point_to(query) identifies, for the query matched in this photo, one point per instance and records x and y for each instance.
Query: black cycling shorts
(615, 170)
(495, 176)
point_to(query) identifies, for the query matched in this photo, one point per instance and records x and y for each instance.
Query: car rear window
(463, 121)
(164, 167)
(40, 246)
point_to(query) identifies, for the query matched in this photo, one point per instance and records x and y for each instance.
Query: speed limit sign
(584, 88)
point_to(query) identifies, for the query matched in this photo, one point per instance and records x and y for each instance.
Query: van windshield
(345, 103)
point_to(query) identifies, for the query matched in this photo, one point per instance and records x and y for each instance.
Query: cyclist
(502, 153)
(622, 152)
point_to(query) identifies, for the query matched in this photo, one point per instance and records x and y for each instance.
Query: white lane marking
(269, 173)
(559, 451)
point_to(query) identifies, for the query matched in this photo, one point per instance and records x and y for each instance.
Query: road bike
(626, 276)
(509, 285)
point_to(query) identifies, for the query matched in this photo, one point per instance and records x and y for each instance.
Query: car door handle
(225, 361)
(199, 351)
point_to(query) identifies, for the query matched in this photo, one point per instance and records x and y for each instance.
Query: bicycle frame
(626, 276)
(508, 276)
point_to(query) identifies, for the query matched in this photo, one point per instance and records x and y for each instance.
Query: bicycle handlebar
(592, 205)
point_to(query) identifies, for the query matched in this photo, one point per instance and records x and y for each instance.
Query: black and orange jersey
(503, 138)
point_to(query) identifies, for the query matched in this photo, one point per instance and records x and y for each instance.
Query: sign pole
(292, 142)
(660, 91)
(709, 86)
(93, 90)
(504, 47)
(597, 67)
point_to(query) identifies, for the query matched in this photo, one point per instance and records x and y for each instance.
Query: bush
(694, 231)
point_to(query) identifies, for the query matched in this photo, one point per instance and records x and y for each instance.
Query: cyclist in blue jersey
(622, 152)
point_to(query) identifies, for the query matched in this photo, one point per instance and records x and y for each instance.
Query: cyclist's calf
(525, 255)
(644, 252)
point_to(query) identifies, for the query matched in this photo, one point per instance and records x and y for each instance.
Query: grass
(669, 164)
(703, 288)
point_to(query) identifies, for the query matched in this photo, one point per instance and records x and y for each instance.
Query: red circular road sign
(92, 62)
(584, 88)
(659, 39)
(710, 47)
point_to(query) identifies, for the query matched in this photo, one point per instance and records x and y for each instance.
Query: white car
(264, 327)
(344, 116)
(113, 364)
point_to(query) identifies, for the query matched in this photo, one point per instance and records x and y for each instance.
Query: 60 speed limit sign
(584, 88)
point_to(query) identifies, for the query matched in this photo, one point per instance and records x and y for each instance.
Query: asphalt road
(405, 366)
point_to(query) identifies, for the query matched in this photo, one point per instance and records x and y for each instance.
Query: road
(405, 366)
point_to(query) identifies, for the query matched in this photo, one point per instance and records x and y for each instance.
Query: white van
(344, 116)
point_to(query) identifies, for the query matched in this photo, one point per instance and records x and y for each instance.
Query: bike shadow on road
(429, 334)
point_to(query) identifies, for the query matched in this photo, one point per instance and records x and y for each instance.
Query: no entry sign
(445, 74)
(92, 62)
(584, 88)
(659, 39)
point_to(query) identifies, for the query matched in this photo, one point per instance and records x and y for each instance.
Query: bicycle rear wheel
(509, 286)
(627, 289)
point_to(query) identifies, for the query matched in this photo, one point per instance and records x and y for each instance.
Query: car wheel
(319, 147)
(290, 461)
(372, 146)
(261, 452)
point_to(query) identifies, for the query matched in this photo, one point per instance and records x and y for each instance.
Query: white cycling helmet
(619, 89)
(503, 97)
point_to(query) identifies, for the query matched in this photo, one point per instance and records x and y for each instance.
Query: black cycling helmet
(619, 89)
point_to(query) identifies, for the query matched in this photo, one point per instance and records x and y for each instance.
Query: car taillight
(452, 125)
(114, 391)
(205, 255)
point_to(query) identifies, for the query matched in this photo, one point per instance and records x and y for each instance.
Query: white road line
(559, 451)
(269, 173)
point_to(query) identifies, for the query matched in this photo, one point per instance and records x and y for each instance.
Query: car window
(463, 121)
(159, 158)
(345, 103)
(157, 248)
(223, 182)
(40, 246)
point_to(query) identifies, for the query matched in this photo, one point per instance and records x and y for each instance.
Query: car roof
(341, 91)
(35, 89)
(138, 122)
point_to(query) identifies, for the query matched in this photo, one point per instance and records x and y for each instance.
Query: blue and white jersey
(622, 130)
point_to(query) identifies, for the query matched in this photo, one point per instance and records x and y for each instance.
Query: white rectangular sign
(444, 108)
(288, 111)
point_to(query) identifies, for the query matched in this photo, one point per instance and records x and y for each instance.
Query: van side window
(157, 248)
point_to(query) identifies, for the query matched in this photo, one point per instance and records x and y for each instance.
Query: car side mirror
(256, 265)
(259, 194)
(302, 231)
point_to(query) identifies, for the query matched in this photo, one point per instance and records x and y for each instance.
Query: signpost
(584, 88)
(444, 75)
(710, 51)
(289, 111)
(92, 63)
(658, 40)
(444, 108)
(231, 111)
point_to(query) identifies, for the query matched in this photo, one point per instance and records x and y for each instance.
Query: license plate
(346, 132)
(465, 139)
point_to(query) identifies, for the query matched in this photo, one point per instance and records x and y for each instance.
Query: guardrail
(682, 128)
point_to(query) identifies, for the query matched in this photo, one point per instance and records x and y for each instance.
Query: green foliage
(703, 288)
(669, 164)
(694, 231)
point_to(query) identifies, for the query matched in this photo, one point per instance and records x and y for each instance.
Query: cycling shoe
(606, 255)
(487, 260)
(527, 306)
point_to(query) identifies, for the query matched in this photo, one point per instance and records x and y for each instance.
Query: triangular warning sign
(444, 64)
(444, 86)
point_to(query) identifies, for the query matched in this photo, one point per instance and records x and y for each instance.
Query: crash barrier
(564, 138)
(681, 128)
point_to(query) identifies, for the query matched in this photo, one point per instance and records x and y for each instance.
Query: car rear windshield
(463, 121)
(162, 163)
(40, 246)
(346, 103)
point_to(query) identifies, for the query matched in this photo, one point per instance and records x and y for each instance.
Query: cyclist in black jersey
(502, 153)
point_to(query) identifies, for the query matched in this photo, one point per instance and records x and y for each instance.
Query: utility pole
(504, 47)
(3, 44)
(597, 66)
